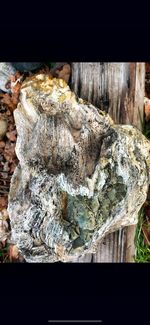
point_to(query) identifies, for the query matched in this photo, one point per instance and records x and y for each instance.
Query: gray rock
(6, 69)
(26, 66)
(79, 177)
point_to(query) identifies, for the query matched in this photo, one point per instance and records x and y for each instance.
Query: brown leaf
(13, 252)
(16, 88)
(8, 113)
(2, 144)
(11, 100)
(3, 202)
(147, 108)
(11, 126)
(9, 151)
(12, 135)
(5, 215)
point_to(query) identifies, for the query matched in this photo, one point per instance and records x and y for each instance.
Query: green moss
(112, 195)
(78, 242)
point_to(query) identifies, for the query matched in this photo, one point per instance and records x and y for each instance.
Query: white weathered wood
(117, 88)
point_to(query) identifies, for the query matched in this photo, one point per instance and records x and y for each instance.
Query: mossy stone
(112, 195)
(78, 242)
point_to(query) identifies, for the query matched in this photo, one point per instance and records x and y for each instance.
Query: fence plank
(117, 88)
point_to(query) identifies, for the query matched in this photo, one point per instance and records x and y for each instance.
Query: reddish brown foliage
(11, 100)
(3, 202)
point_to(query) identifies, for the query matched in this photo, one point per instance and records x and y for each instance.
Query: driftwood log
(80, 175)
(117, 88)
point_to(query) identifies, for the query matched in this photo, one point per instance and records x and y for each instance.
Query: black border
(76, 42)
(75, 278)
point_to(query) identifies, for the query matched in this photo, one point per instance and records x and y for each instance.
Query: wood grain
(117, 88)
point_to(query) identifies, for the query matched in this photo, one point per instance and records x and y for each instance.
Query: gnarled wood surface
(117, 88)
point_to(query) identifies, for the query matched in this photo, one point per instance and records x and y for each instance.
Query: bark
(117, 88)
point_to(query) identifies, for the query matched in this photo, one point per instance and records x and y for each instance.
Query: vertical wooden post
(117, 88)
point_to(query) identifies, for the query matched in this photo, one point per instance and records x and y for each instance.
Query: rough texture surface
(6, 69)
(80, 176)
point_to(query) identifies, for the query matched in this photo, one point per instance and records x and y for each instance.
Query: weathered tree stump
(117, 88)
(80, 175)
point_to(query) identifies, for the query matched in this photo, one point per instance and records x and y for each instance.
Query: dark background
(34, 293)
